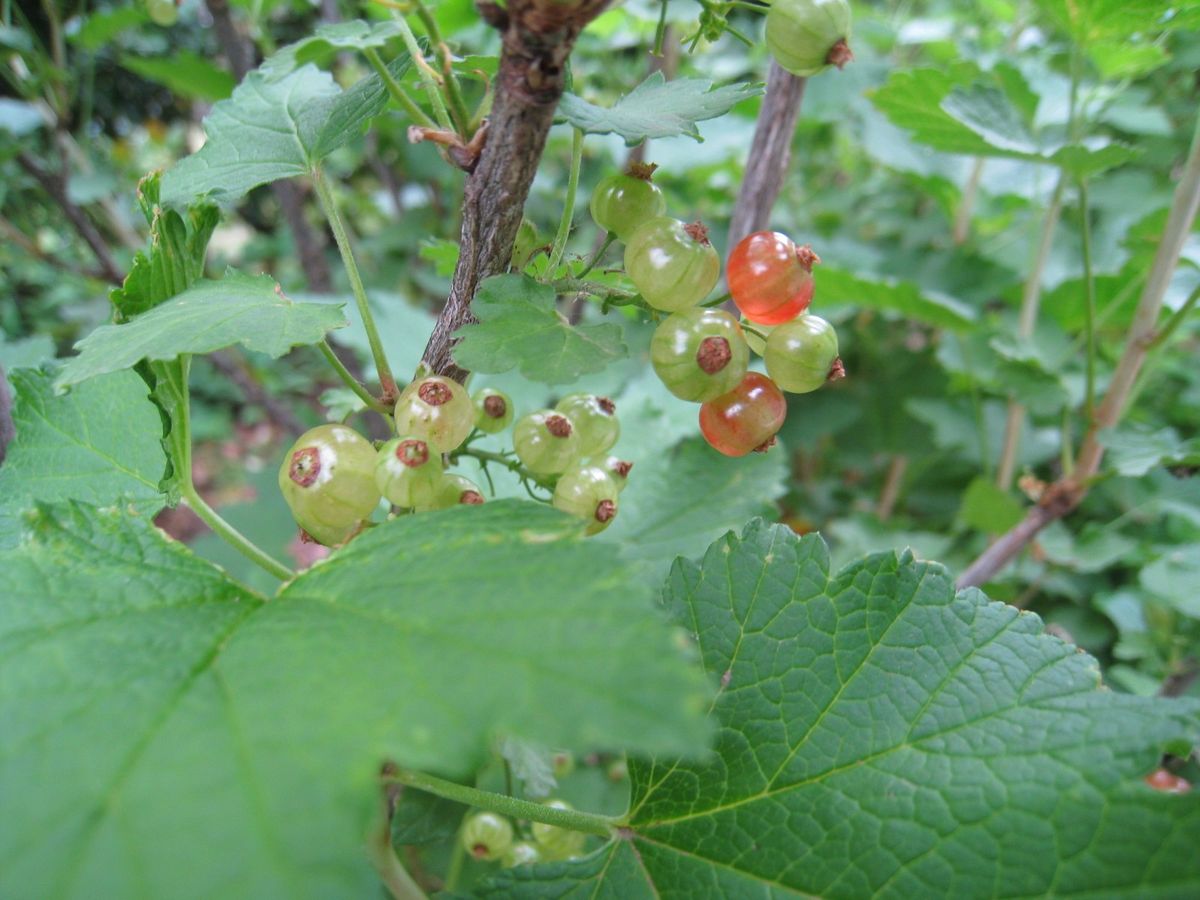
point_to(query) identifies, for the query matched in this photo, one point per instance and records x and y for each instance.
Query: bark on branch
(1063, 496)
(537, 37)
(770, 154)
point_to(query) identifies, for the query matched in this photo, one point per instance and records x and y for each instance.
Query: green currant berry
(803, 354)
(621, 203)
(554, 842)
(699, 353)
(595, 419)
(807, 36)
(589, 493)
(618, 469)
(327, 480)
(162, 12)
(522, 853)
(546, 442)
(673, 265)
(493, 410)
(486, 835)
(562, 763)
(408, 472)
(437, 409)
(454, 490)
(618, 770)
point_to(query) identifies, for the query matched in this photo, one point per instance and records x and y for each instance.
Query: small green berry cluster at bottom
(490, 837)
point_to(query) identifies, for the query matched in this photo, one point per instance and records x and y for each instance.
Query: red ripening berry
(1168, 782)
(770, 278)
(746, 418)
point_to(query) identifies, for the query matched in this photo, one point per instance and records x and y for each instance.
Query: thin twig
(228, 364)
(8, 430)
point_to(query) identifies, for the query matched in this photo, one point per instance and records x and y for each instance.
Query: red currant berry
(770, 278)
(672, 264)
(803, 354)
(699, 354)
(621, 203)
(328, 482)
(437, 409)
(745, 419)
(1168, 782)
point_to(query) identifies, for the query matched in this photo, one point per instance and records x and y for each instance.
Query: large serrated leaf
(166, 734)
(99, 444)
(273, 128)
(519, 327)
(837, 286)
(881, 736)
(657, 108)
(238, 309)
(328, 40)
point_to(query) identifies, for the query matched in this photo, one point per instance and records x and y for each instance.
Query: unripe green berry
(522, 853)
(454, 490)
(328, 482)
(408, 472)
(486, 835)
(802, 355)
(554, 842)
(589, 493)
(546, 442)
(595, 419)
(493, 410)
(437, 409)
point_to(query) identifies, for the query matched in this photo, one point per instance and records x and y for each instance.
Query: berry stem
(391, 871)
(418, 115)
(351, 382)
(429, 77)
(568, 213)
(599, 254)
(588, 823)
(231, 535)
(458, 107)
(329, 205)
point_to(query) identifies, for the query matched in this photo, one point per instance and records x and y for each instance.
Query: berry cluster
(491, 837)
(333, 478)
(702, 354)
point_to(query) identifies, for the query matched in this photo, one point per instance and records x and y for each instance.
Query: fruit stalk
(588, 823)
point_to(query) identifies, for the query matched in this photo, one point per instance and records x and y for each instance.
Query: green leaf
(233, 746)
(988, 508)
(19, 118)
(184, 73)
(99, 444)
(1174, 576)
(657, 108)
(530, 765)
(961, 109)
(1134, 450)
(178, 244)
(1092, 21)
(520, 327)
(327, 41)
(837, 286)
(100, 28)
(678, 500)
(272, 129)
(881, 736)
(211, 315)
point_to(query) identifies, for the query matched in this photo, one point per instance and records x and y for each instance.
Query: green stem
(329, 205)
(1177, 318)
(431, 86)
(458, 855)
(350, 381)
(487, 456)
(458, 108)
(599, 254)
(391, 871)
(660, 32)
(1089, 283)
(589, 823)
(181, 458)
(398, 93)
(568, 214)
(579, 286)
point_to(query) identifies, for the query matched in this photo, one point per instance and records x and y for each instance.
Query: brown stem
(11, 233)
(537, 38)
(1063, 496)
(7, 430)
(310, 243)
(228, 363)
(55, 185)
(891, 487)
(770, 154)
